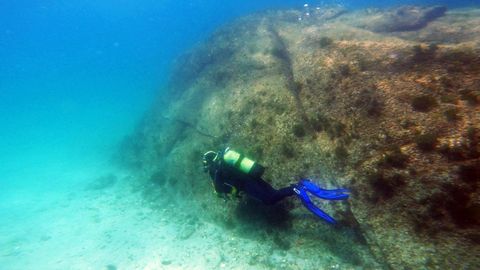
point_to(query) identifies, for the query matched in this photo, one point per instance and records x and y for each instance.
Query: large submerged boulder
(404, 18)
(395, 117)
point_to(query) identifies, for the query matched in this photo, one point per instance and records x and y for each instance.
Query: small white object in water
(393, 56)
(305, 5)
(299, 18)
(307, 14)
(317, 8)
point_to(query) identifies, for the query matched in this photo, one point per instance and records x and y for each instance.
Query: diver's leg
(263, 191)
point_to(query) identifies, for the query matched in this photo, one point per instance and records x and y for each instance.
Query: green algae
(426, 142)
(394, 158)
(324, 42)
(298, 130)
(341, 153)
(287, 150)
(385, 187)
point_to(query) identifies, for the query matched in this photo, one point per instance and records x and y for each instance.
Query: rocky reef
(404, 18)
(347, 99)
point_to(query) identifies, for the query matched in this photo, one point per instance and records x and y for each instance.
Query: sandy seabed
(86, 226)
(78, 227)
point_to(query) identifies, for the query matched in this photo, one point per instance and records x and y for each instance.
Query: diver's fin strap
(302, 194)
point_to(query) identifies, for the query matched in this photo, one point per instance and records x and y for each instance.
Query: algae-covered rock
(405, 18)
(395, 117)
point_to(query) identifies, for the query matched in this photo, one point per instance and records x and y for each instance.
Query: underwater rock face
(406, 18)
(394, 119)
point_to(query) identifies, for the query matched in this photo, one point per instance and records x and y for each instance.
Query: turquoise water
(75, 78)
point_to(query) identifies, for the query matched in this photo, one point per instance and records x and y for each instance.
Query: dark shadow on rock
(344, 243)
(254, 213)
(406, 18)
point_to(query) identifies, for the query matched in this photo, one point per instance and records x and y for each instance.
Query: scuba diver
(232, 173)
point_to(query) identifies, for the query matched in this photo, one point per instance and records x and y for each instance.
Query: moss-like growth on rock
(447, 81)
(370, 102)
(280, 53)
(344, 70)
(423, 103)
(406, 123)
(426, 142)
(253, 124)
(460, 59)
(339, 128)
(469, 173)
(451, 115)
(257, 151)
(422, 53)
(394, 159)
(341, 153)
(472, 133)
(298, 130)
(471, 97)
(365, 64)
(298, 86)
(385, 187)
(448, 99)
(320, 123)
(458, 204)
(466, 148)
(324, 42)
(335, 130)
(375, 107)
(453, 153)
(473, 140)
(287, 150)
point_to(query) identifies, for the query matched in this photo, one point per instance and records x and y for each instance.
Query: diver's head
(209, 160)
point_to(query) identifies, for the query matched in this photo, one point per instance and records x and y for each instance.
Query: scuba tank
(243, 163)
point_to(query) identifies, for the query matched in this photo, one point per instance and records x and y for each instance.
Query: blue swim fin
(332, 194)
(302, 194)
(305, 185)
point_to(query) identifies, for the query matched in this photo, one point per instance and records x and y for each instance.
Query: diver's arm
(224, 189)
(218, 183)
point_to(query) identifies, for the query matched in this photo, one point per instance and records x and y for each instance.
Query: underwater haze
(76, 76)
(76, 79)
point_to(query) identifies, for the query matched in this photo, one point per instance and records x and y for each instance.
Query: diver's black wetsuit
(226, 177)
